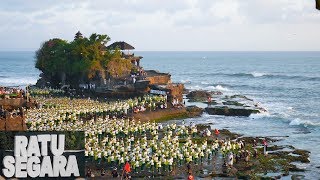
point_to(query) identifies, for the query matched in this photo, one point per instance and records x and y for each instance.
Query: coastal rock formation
(230, 111)
(198, 96)
(235, 105)
(169, 114)
(155, 77)
(194, 111)
(201, 95)
(176, 91)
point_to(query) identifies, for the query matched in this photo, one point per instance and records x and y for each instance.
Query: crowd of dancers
(114, 139)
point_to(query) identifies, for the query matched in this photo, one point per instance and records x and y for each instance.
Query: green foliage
(50, 57)
(80, 60)
(118, 67)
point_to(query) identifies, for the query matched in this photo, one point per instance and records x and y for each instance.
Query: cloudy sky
(215, 25)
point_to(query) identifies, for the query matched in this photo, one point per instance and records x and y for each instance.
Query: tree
(119, 67)
(79, 61)
(51, 59)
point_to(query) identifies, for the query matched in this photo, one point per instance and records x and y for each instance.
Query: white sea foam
(196, 87)
(204, 83)
(260, 115)
(258, 74)
(16, 81)
(298, 121)
(185, 81)
(290, 108)
(217, 88)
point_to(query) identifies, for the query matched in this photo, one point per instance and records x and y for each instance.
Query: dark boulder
(194, 111)
(198, 96)
(227, 111)
(234, 103)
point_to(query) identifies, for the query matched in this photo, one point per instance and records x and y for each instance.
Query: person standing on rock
(265, 145)
(230, 159)
(216, 132)
(255, 153)
(254, 143)
(209, 101)
(126, 170)
(190, 177)
(189, 167)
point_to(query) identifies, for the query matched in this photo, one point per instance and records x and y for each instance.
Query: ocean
(285, 83)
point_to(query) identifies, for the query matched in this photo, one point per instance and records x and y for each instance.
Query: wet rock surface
(198, 96)
(235, 105)
(201, 95)
(230, 111)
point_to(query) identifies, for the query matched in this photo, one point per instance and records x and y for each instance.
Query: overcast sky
(214, 25)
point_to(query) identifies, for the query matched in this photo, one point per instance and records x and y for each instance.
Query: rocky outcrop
(155, 77)
(235, 105)
(141, 85)
(230, 111)
(201, 95)
(198, 96)
(194, 111)
(318, 4)
(176, 91)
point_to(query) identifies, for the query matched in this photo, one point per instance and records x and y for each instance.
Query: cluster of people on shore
(115, 141)
(8, 92)
(139, 75)
(45, 91)
(52, 113)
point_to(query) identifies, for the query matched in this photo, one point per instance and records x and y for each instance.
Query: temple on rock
(138, 82)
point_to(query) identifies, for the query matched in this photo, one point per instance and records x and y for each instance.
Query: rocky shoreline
(219, 104)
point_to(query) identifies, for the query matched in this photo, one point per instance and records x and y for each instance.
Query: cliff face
(161, 79)
(176, 91)
(158, 78)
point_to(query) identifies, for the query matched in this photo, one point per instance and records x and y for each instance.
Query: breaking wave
(185, 81)
(260, 115)
(262, 75)
(258, 74)
(204, 83)
(217, 88)
(17, 81)
(298, 122)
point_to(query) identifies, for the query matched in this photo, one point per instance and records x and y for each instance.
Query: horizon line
(192, 50)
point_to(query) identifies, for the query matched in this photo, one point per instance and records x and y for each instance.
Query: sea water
(285, 83)
(17, 69)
